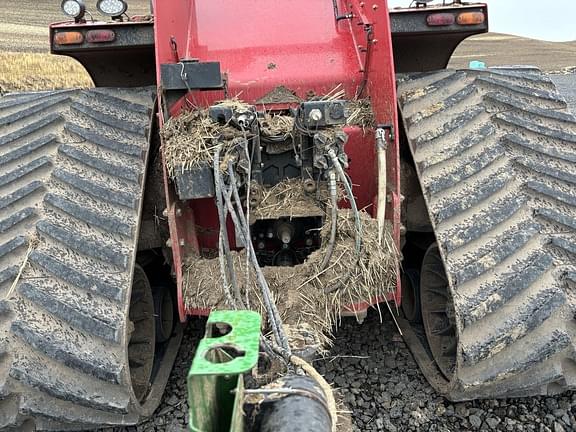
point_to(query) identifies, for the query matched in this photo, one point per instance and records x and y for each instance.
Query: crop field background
(25, 63)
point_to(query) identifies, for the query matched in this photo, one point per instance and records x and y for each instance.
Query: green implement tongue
(215, 384)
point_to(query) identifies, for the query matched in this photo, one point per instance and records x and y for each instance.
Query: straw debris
(299, 291)
(361, 114)
(189, 139)
(276, 126)
(289, 199)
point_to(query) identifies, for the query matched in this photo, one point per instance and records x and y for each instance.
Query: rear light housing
(440, 19)
(68, 38)
(471, 18)
(100, 36)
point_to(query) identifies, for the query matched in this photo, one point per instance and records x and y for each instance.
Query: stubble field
(25, 62)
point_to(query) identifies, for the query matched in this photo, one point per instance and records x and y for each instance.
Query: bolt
(375, 6)
(309, 185)
(336, 111)
(182, 242)
(169, 243)
(402, 230)
(178, 212)
(165, 212)
(315, 115)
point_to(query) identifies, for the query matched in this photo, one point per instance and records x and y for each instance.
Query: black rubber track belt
(72, 170)
(495, 151)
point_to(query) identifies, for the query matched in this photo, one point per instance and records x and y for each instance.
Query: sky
(552, 20)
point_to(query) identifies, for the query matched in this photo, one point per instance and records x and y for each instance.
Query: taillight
(68, 38)
(471, 18)
(100, 36)
(440, 19)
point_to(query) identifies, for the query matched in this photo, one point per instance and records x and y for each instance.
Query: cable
(334, 225)
(223, 244)
(357, 221)
(271, 306)
(240, 223)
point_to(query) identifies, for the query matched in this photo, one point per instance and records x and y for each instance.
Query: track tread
(505, 220)
(70, 198)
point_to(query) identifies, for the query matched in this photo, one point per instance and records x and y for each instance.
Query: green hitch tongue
(228, 350)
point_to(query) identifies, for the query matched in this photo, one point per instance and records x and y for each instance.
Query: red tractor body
(299, 48)
(262, 47)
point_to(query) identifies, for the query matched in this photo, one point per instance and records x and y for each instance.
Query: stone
(475, 421)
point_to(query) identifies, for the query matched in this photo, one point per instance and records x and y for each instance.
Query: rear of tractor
(261, 168)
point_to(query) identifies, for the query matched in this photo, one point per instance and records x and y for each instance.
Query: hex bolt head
(315, 115)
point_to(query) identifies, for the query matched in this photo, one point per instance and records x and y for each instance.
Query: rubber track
(72, 170)
(495, 151)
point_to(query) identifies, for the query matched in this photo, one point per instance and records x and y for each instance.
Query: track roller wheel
(438, 311)
(142, 344)
(411, 295)
(165, 313)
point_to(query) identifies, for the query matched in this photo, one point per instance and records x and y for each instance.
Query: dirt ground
(497, 49)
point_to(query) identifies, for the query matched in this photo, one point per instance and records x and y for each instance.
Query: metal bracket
(390, 128)
(191, 75)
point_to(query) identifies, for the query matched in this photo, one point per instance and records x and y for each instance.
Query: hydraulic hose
(223, 243)
(357, 221)
(381, 208)
(334, 219)
(241, 225)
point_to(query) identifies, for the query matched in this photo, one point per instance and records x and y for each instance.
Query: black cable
(223, 242)
(240, 224)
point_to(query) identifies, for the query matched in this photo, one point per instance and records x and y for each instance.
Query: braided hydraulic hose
(334, 219)
(240, 223)
(357, 221)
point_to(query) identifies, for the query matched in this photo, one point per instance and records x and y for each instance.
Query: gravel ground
(385, 390)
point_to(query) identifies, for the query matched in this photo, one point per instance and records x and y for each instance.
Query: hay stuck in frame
(361, 113)
(299, 291)
(276, 126)
(189, 139)
(289, 199)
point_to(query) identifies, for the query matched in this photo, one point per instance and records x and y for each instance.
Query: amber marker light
(471, 18)
(68, 38)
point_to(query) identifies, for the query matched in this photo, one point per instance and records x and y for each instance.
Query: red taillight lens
(471, 18)
(68, 38)
(100, 36)
(440, 19)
